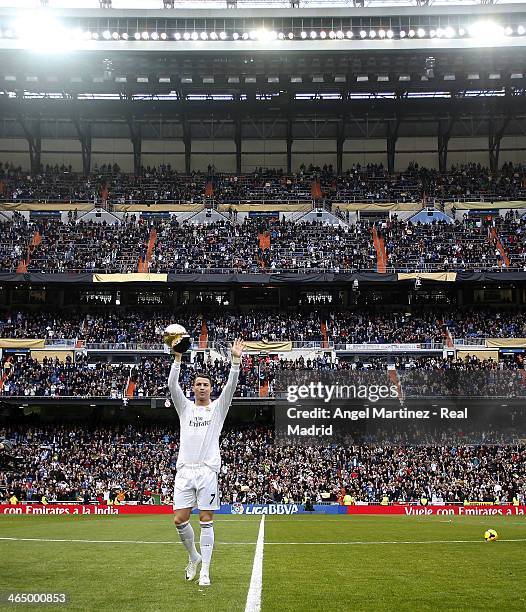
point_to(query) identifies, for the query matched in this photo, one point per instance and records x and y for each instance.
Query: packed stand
(90, 246)
(512, 233)
(461, 245)
(162, 184)
(465, 182)
(210, 247)
(86, 377)
(306, 246)
(15, 237)
(255, 246)
(70, 462)
(345, 326)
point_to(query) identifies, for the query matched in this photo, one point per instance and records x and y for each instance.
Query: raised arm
(178, 397)
(225, 399)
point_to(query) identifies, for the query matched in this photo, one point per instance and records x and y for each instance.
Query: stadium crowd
(370, 182)
(85, 377)
(445, 246)
(254, 245)
(70, 462)
(356, 326)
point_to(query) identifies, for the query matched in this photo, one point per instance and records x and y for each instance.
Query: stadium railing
(123, 346)
(469, 341)
(372, 347)
(296, 344)
(428, 267)
(60, 342)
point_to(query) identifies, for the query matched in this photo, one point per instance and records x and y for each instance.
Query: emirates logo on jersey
(199, 422)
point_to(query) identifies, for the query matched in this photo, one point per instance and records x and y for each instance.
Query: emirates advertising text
(393, 407)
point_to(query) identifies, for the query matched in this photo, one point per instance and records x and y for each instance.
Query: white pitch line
(391, 542)
(108, 541)
(256, 580)
(353, 543)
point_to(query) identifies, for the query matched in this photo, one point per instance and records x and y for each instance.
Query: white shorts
(196, 487)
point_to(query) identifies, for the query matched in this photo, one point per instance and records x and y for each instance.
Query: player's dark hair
(203, 375)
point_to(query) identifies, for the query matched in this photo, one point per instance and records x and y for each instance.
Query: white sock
(207, 544)
(186, 533)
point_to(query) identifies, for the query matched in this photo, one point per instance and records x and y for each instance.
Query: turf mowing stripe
(256, 580)
(356, 542)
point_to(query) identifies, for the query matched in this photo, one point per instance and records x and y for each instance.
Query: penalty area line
(256, 580)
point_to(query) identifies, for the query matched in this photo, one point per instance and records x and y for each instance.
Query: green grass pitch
(329, 563)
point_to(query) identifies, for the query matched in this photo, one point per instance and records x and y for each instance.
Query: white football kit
(199, 460)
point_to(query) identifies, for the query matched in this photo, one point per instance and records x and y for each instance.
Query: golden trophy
(176, 338)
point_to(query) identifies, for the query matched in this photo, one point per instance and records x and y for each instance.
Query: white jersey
(201, 425)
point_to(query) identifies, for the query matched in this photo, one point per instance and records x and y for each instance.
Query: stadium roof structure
(266, 73)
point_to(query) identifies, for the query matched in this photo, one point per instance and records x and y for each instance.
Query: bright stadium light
(281, 36)
(449, 32)
(411, 33)
(432, 33)
(95, 36)
(245, 36)
(521, 30)
(222, 35)
(145, 36)
(349, 34)
(403, 34)
(363, 34)
(252, 35)
(313, 34)
(195, 36)
(137, 36)
(390, 34)
(186, 36)
(125, 36)
(213, 35)
(164, 36)
(381, 33)
(303, 35)
(40, 33)
(155, 35)
(323, 34)
(235, 36)
(486, 31)
(177, 36)
(290, 35)
(372, 34)
(420, 32)
(106, 35)
(332, 34)
(339, 34)
(461, 32)
(508, 31)
(115, 36)
(203, 36)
